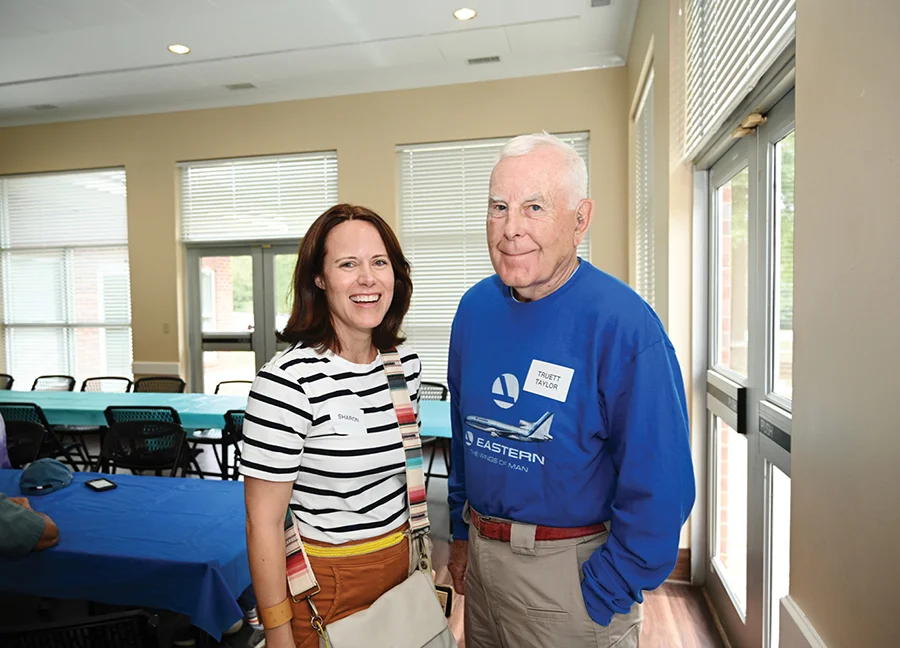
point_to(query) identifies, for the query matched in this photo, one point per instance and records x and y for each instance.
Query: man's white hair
(576, 169)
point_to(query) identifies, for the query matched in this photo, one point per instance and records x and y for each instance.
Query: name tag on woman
(346, 419)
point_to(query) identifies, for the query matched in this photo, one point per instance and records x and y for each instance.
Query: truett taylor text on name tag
(550, 380)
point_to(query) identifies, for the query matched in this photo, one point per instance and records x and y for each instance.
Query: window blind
(262, 198)
(730, 45)
(66, 298)
(443, 214)
(644, 237)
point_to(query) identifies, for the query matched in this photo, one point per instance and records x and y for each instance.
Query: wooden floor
(675, 615)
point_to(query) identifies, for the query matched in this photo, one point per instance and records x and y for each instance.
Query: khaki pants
(527, 594)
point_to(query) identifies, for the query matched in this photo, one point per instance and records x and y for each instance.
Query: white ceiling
(101, 58)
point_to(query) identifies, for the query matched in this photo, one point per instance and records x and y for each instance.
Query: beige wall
(845, 525)
(364, 130)
(654, 45)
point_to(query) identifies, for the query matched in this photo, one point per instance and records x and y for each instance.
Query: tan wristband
(277, 615)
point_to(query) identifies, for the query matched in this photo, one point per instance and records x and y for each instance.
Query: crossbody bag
(409, 615)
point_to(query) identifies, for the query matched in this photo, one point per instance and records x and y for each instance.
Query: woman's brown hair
(310, 320)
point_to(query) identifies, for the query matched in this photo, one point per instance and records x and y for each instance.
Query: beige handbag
(409, 615)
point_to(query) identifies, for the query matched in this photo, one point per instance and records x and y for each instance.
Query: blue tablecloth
(159, 542)
(196, 411)
(435, 417)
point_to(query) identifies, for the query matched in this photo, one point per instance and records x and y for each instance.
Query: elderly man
(572, 472)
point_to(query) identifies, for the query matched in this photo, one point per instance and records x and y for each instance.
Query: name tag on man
(550, 380)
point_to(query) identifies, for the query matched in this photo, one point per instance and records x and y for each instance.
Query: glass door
(751, 218)
(238, 296)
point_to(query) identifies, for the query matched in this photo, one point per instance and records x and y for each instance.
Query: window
(729, 47)
(208, 298)
(644, 236)
(443, 208)
(252, 199)
(783, 311)
(730, 538)
(779, 549)
(733, 263)
(66, 286)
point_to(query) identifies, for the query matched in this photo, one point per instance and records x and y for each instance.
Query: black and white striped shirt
(329, 426)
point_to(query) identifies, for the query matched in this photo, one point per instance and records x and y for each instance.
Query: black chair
(234, 431)
(137, 414)
(24, 441)
(438, 392)
(227, 437)
(125, 413)
(433, 391)
(79, 433)
(141, 446)
(30, 437)
(223, 437)
(160, 385)
(136, 629)
(6, 381)
(234, 387)
(107, 384)
(53, 383)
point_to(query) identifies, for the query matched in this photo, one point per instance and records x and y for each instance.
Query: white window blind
(266, 198)
(644, 237)
(65, 276)
(730, 45)
(443, 215)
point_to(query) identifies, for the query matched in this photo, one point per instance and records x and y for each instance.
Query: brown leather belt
(499, 530)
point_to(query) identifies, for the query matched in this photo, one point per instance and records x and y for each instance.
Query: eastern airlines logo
(506, 391)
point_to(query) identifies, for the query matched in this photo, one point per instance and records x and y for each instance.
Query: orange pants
(349, 585)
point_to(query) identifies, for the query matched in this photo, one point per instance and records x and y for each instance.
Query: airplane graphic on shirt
(527, 431)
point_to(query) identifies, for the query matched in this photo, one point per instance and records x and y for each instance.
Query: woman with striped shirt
(320, 433)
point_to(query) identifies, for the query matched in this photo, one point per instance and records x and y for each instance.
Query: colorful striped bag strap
(412, 445)
(301, 579)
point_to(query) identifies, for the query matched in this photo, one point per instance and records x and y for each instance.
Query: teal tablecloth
(197, 411)
(435, 417)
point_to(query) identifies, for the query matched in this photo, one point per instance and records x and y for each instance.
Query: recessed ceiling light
(179, 49)
(464, 14)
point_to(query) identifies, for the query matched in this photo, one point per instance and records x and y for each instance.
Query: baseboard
(795, 630)
(156, 368)
(715, 615)
(682, 571)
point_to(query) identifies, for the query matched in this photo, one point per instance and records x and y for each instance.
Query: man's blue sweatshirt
(568, 411)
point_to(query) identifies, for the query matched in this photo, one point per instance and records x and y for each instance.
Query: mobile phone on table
(100, 484)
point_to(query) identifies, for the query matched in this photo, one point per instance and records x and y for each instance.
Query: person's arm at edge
(24, 530)
(266, 504)
(276, 423)
(649, 437)
(456, 484)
